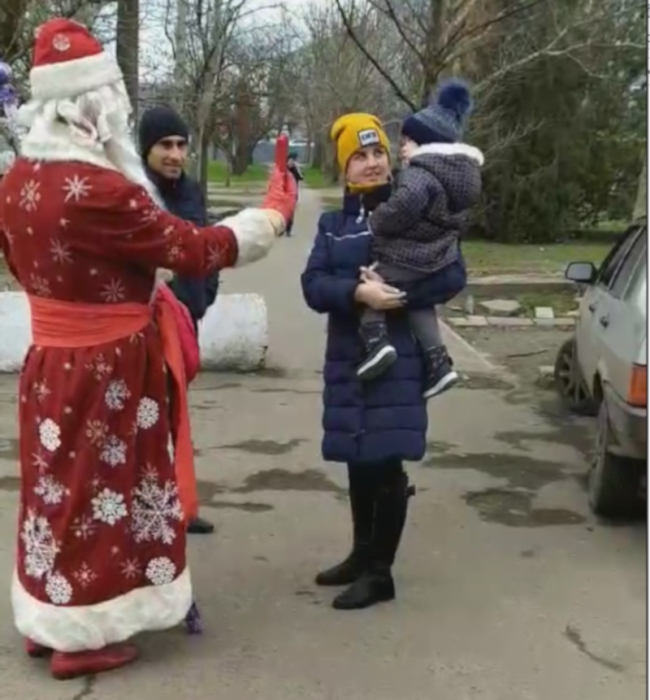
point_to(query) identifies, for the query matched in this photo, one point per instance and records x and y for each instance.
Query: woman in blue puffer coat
(372, 427)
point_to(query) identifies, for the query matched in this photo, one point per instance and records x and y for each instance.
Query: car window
(615, 256)
(639, 272)
(622, 275)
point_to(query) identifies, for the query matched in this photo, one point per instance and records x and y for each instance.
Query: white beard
(91, 128)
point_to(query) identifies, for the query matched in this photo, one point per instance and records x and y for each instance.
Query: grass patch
(258, 173)
(219, 203)
(484, 257)
(217, 173)
(613, 226)
(315, 179)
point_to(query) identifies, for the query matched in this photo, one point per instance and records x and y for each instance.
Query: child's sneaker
(380, 353)
(440, 375)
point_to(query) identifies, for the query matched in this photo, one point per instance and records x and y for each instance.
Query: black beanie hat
(159, 123)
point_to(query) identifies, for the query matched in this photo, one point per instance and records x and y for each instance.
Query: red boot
(35, 650)
(86, 663)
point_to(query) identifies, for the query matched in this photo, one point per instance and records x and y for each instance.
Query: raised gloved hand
(281, 198)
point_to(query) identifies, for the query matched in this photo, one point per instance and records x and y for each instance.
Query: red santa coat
(101, 538)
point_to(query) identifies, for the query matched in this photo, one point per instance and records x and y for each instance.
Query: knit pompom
(455, 96)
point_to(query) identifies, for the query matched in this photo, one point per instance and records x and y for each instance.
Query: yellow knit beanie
(355, 131)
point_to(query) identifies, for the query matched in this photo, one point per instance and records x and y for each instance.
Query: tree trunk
(127, 48)
(195, 154)
(318, 155)
(240, 159)
(204, 160)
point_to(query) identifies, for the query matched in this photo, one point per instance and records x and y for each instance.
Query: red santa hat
(69, 61)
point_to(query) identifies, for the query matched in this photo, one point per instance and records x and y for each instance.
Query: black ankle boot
(380, 354)
(376, 584)
(200, 526)
(362, 508)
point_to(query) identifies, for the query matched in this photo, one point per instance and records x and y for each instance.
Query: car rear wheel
(569, 382)
(614, 481)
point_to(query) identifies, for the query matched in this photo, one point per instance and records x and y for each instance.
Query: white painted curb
(233, 335)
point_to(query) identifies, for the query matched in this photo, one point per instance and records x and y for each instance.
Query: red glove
(282, 194)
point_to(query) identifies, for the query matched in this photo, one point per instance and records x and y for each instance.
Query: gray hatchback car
(605, 366)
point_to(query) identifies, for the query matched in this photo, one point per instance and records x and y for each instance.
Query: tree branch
(387, 77)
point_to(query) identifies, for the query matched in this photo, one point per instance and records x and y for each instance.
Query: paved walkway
(508, 589)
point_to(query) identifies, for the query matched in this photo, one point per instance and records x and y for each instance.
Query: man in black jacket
(163, 138)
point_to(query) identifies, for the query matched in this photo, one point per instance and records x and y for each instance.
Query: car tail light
(638, 392)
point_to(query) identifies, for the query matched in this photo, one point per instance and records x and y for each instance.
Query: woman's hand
(379, 296)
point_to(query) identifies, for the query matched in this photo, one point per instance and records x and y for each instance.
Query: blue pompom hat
(444, 119)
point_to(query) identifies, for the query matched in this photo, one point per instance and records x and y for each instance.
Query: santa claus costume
(101, 536)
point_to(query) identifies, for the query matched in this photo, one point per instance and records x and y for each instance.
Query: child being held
(416, 232)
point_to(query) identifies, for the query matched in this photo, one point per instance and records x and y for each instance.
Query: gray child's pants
(424, 322)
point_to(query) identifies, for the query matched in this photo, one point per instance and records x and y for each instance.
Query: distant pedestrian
(296, 171)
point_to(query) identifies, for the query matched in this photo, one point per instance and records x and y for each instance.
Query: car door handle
(592, 306)
(604, 321)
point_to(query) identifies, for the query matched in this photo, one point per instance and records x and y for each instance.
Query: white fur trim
(58, 81)
(451, 149)
(255, 231)
(58, 146)
(89, 627)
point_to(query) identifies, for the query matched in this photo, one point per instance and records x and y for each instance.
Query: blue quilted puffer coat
(385, 419)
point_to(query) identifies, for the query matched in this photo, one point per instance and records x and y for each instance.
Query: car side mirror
(581, 272)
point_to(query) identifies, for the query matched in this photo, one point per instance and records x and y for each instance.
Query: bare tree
(331, 76)
(439, 37)
(224, 63)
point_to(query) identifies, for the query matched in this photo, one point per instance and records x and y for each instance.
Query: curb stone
(512, 322)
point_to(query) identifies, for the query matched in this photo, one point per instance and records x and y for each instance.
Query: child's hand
(368, 274)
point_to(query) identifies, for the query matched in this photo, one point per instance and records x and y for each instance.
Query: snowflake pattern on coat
(97, 520)
(51, 491)
(39, 544)
(155, 509)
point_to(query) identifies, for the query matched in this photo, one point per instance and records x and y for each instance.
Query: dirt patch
(522, 350)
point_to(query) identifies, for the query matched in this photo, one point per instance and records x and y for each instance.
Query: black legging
(366, 474)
